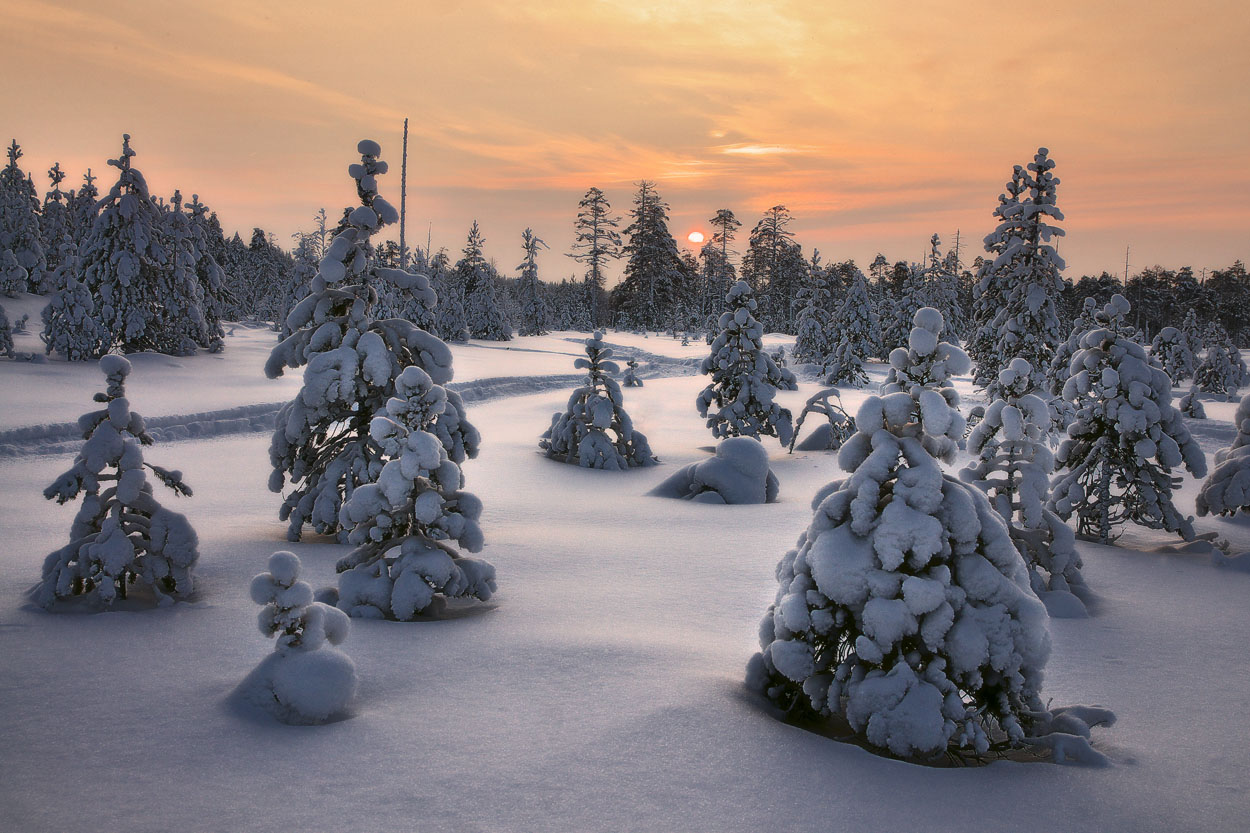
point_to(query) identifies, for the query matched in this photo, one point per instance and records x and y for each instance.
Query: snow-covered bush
(745, 379)
(594, 431)
(630, 379)
(1191, 406)
(1171, 349)
(302, 681)
(738, 473)
(408, 524)
(1116, 464)
(1227, 490)
(1013, 466)
(830, 434)
(321, 440)
(905, 606)
(121, 537)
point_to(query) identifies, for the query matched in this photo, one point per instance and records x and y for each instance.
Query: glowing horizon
(876, 126)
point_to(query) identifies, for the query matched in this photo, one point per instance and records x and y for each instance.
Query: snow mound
(738, 473)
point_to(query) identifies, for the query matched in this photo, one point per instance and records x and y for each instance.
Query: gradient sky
(876, 123)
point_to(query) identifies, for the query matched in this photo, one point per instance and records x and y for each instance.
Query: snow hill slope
(600, 690)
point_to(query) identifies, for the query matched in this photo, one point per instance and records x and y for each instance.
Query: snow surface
(601, 689)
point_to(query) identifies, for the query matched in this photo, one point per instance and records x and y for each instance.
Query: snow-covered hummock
(1227, 489)
(745, 379)
(122, 538)
(858, 328)
(533, 307)
(1191, 405)
(594, 431)
(630, 379)
(738, 474)
(1171, 349)
(321, 441)
(905, 606)
(408, 525)
(1222, 369)
(833, 431)
(1116, 464)
(1013, 466)
(303, 681)
(70, 328)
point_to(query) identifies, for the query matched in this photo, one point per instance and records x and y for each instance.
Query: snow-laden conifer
(1191, 405)
(1171, 349)
(989, 290)
(815, 332)
(55, 226)
(483, 315)
(214, 297)
(745, 379)
(594, 431)
(1116, 463)
(533, 307)
(597, 242)
(1192, 331)
(1227, 489)
(858, 328)
(322, 442)
(449, 320)
(1222, 368)
(182, 327)
(1012, 465)
(630, 379)
(70, 328)
(121, 538)
(19, 220)
(12, 275)
(410, 525)
(303, 681)
(6, 335)
(906, 607)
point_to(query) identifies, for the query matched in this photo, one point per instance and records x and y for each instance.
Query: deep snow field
(600, 690)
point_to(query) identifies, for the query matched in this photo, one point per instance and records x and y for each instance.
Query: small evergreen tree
(1013, 466)
(56, 227)
(212, 278)
(814, 339)
(1227, 490)
(533, 307)
(654, 273)
(1171, 349)
(70, 328)
(745, 379)
(322, 441)
(6, 335)
(989, 292)
(19, 220)
(181, 318)
(597, 242)
(1221, 370)
(858, 325)
(594, 431)
(906, 608)
(121, 536)
(1116, 463)
(484, 318)
(631, 379)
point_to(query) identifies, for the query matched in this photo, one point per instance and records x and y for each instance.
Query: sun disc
(695, 237)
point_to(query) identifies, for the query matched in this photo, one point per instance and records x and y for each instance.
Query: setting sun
(695, 237)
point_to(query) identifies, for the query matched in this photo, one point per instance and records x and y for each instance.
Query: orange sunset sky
(876, 123)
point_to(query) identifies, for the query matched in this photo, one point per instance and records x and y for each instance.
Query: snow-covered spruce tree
(123, 259)
(858, 326)
(594, 431)
(55, 226)
(302, 681)
(19, 220)
(905, 606)
(181, 320)
(70, 328)
(814, 330)
(597, 242)
(1062, 412)
(1227, 489)
(990, 287)
(1171, 349)
(12, 275)
(322, 442)
(533, 307)
(1192, 331)
(1012, 465)
(1027, 325)
(654, 274)
(482, 313)
(745, 379)
(449, 321)
(1116, 464)
(941, 290)
(83, 208)
(121, 537)
(1219, 373)
(212, 278)
(407, 525)
(1190, 405)
(6, 335)
(631, 380)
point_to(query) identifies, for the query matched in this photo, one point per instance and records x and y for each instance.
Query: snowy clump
(1171, 349)
(1013, 466)
(630, 379)
(745, 379)
(1191, 406)
(830, 434)
(859, 330)
(1228, 488)
(738, 473)
(594, 431)
(121, 535)
(1116, 463)
(303, 681)
(406, 526)
(321, 439)
(905, 606)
